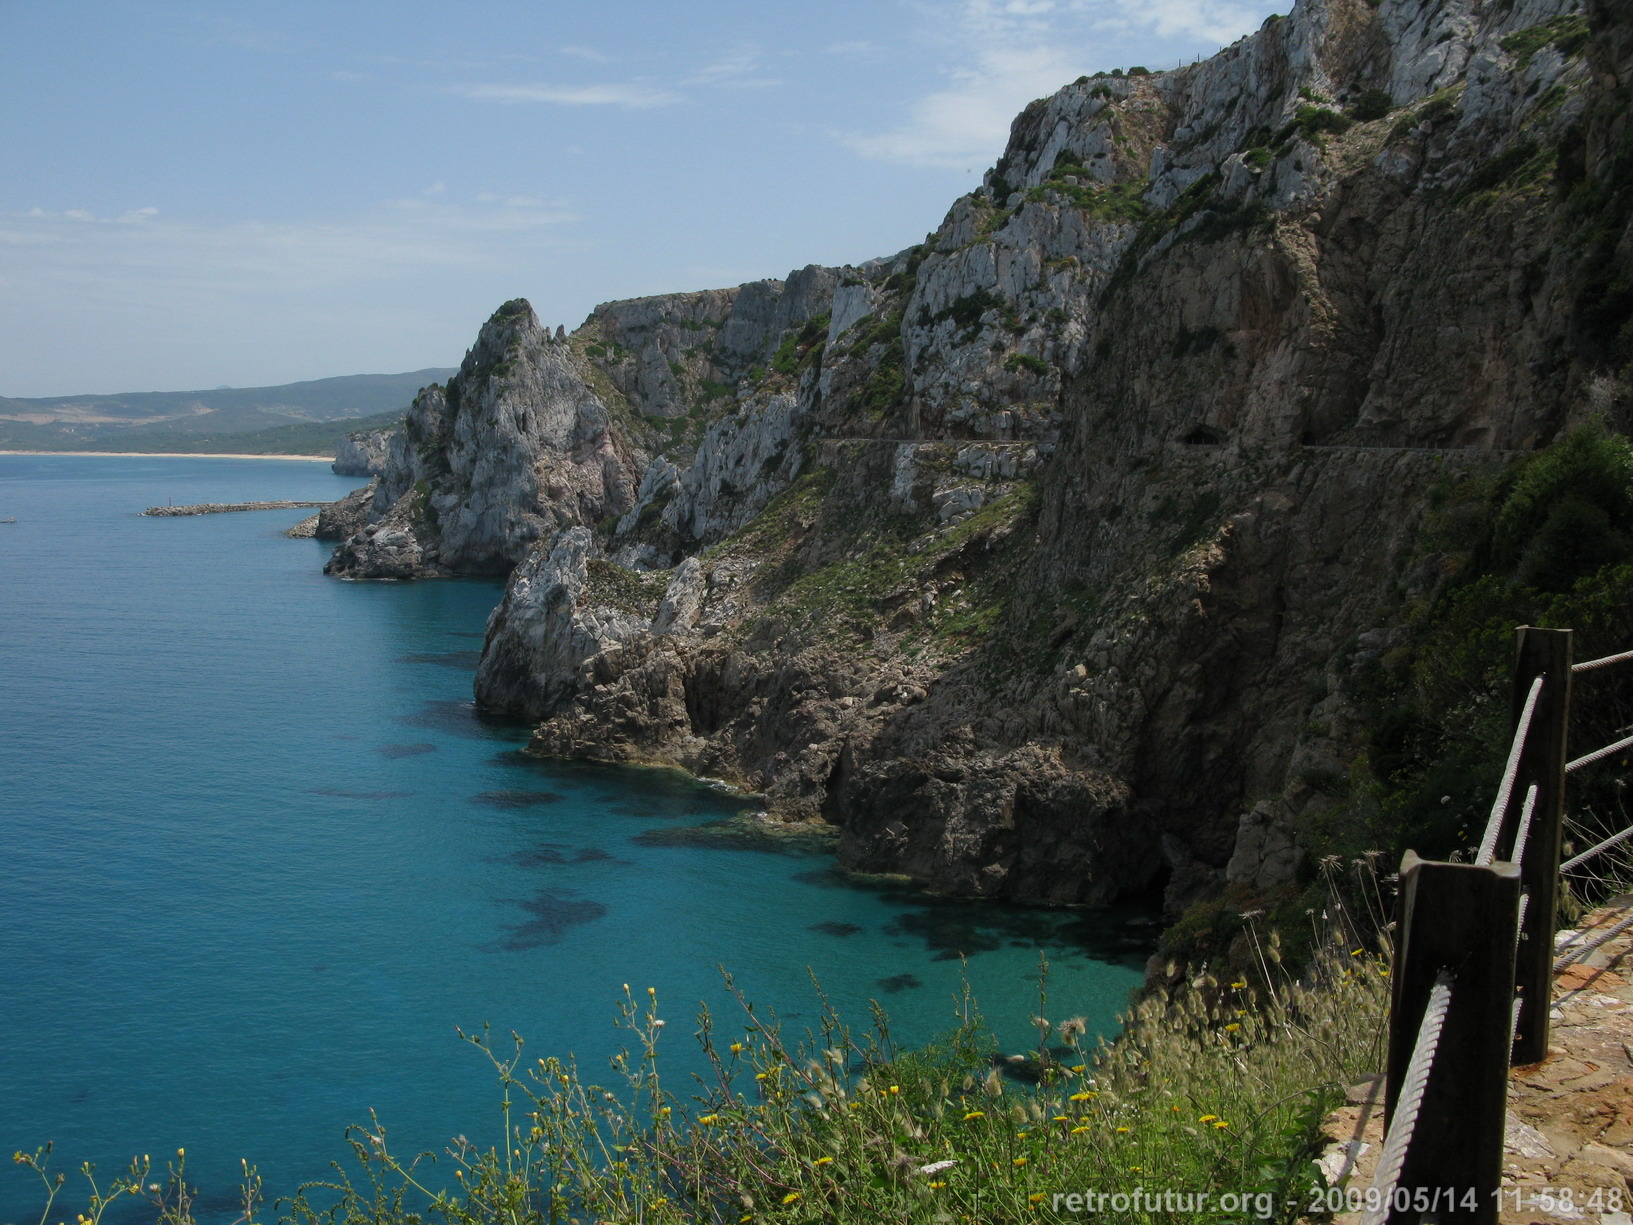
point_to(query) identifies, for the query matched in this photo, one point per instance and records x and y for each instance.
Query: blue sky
(255, 193)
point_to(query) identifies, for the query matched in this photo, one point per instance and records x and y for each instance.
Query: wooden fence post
(1545, 653)
(1463, 919)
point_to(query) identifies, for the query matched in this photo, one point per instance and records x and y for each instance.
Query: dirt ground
(1568, 1152)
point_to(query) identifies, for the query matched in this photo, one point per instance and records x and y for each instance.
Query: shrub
(1017, 362)
(1372, 104)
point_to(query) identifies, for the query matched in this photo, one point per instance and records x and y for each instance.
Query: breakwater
(222, 508)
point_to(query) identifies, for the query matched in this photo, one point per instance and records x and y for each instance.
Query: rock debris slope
(1033, 557)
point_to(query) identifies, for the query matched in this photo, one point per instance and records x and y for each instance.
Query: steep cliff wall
(1036, 557)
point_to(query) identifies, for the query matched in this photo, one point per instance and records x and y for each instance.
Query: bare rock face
(1035, 557)
(363, 453)
(515, 448)
(345, 518)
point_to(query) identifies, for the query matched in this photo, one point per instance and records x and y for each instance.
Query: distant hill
(288, 419)
(300, 438)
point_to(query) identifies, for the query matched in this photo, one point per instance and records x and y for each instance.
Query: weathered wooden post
(1461, 919)
(1544, 653)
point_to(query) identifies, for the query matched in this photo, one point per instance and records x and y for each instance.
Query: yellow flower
(895, 1088)
(1076, 1130)
(1233, 1027)
(1037, 1197)
(1061, 1118)
(663, 1112)
(1207, 1118)
(1084, 1096)
(1121, 1130)
(1239, 985)
(790, 1197)
(737, 1048)
(823, 1161)
(975, 1114)
(935, 1186)
(1019, 1161)
(708, 1118)
(1221, 1123)
(1082, 1067)
(1020, 1135)
(759, 1076)
(1356, 952)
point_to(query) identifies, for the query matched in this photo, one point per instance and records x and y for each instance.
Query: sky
(244, 193)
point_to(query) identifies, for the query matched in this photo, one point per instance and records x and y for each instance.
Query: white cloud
(736, 66)
(631, 96)
(589, 54)
(1007, 52)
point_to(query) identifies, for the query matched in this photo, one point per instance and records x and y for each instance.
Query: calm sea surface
(259, 857)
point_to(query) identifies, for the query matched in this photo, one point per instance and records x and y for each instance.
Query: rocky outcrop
(516, 447)
(347, 517)
(362, 453)
(1037, 556)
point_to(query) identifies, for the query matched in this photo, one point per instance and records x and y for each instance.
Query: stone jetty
(222, 508)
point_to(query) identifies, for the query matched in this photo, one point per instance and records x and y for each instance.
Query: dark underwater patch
(513, 800)
(465, 661)
(404, 750)
(552, 853)
(344, 794)
(554, 913)
(460, 717)
(833, 927)
(899, 982)
(741, 833)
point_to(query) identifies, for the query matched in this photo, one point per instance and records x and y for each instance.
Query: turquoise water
(261, 857)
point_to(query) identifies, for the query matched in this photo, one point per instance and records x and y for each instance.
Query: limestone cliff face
(362, 453)
(516, 447)
(1035, 556)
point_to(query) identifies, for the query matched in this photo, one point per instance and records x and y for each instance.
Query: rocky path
(1569, 1144)
(222, 508)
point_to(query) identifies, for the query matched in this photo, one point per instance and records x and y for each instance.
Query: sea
(261, 860)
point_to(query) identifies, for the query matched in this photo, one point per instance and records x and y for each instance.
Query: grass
(1216, 1085)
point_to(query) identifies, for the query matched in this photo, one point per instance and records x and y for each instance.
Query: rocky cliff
(1036, 557)
(362, 453)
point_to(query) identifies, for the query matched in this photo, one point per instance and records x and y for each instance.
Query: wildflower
(737, 1048)
(936, 1186)
(1356, 952)
(823, 1161)
(1221, 1124)
(1019, 1161)
(1060, 1118)
(1233, 1027)
(1239, 984)
(652, 991)
(1078, 1130)
(1082, 1067)
(663, 1112)
(975, 1114)
(790, 1197)
(659, 1023)
(1084, 1096)
(935, 1167)
(1122, 1131)
(759, 1076)
(1207, 1118)
(1037, 1197)
(708, 1118)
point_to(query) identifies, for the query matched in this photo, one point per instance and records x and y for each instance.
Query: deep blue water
(259, 857)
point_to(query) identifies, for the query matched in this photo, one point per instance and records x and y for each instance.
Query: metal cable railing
(1571, 767)
(1591, 664)
(1404, 1124)
(1505, 790)
(1576, 953)
(1577, 861)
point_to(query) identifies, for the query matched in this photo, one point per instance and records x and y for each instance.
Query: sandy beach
(311, 459)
